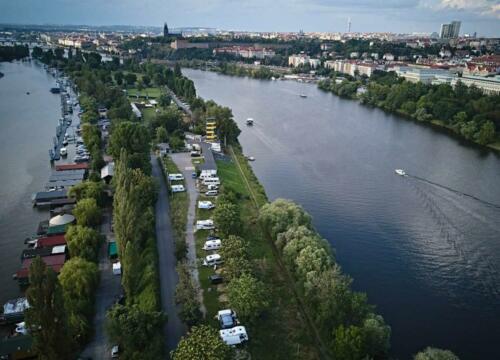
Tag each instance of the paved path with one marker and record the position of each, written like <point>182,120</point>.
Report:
<point>107,292</point>
<point>183,162</point>
<point>174,329</point>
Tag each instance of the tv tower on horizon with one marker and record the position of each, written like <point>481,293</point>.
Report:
<point>349,24</point>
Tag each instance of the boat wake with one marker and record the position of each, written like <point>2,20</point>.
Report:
<point>455,191</point>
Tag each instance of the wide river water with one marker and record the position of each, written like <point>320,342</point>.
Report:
<point>27,126</point>
<point>425,248</point>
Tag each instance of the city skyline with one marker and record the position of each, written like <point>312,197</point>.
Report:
<point>405,16</point>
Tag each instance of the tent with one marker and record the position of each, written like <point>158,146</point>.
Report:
<point>61,220</point>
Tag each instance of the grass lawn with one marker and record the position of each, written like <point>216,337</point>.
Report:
<point>151,92</point>
<point>148,114</point>
<point>280,333</point>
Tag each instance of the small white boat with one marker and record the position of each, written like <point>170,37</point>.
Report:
<point>250,158</point>
<point>63,151</point>
<point>303,95</point>
<point>249,121</point>
<point>400,172</point>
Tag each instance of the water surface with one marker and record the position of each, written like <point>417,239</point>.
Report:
<point>427,254</point>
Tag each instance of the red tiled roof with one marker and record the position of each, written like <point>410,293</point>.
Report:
<point>82,166</point>
<point>49,241</point>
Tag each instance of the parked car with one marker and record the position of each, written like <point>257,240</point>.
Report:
<point>115,352</point>
<point>216,279</point>
<point>227,319</point>
<point>211,193</point>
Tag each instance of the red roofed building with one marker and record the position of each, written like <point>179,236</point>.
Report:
<point>55,262</point>
<point>483,65</point>
<point>50,241</point>
<point>80,166</point>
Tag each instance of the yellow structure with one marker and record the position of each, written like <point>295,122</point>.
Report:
<point>211,129</point>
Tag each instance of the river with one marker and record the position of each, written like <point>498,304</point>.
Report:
<point>425,251</point>
<point>27,126</point>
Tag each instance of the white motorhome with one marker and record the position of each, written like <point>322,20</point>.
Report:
<point>205,205</point>
<point>175,177</point>
<point>212,245</point>
<point>211,181</point>
<point>177,188</point>
<point>211,260</point>
<point>207,175</point>
<point>234,336</point>
<point>211,193</point>
<point>205,225</point>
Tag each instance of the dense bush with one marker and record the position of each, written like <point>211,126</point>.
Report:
<point>344,317</point>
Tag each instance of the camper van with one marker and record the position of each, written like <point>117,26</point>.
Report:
<point>211,193</point>
<point>213,187</point>
<point>211,181</point>
<point>177,188</point>
<point>175,177</point>
<point>205,205</point>
<point>205,225</point>
<point>234,336</point>
<point>212,245</point>
<point>211,260</point>
<point>207,175</point>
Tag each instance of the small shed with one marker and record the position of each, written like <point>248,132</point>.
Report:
<point>107,172</point>
<point>112,250</point>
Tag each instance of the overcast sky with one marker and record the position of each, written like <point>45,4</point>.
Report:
<point>482,16</point>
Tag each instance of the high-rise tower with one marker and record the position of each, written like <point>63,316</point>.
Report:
<point>165,30</point>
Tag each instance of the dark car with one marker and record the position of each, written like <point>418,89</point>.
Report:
<point>211,237</point>
<point>216,279</point>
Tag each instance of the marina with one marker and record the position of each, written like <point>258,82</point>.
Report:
<point>46,238</point>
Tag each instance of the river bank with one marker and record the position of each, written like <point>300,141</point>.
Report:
<point>388,234</point>
<point>26,130</point>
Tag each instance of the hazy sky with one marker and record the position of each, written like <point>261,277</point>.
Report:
<point>482,16</point>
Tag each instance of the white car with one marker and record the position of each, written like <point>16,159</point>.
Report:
<point>212,193</point>
<point>115,352</point>
<point>21,328</point>
<point>205,205</point>
<point>177,188</point>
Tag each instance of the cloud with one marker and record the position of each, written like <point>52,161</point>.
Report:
<point>488,8</point>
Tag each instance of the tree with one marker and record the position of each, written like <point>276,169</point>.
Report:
<point>486,133</point>
<point>161,135</point>
<point>348,343</point>
<point>227,218</point>
<point>235,255</point>
<point>164,100</point>
<point>248,297</point>
<point>87,213</point>
<point>187,296</point>
<point>83,242</point>
<point>376,336</point>
<point>136,330</point>
<point>202,342</point>
<point>277,216</point>
<point>119,77</point>
<point>46,316</point>
<point>79,279</point>
<point>130,78</point>
<point>435,354</point>
<point>88,189</point>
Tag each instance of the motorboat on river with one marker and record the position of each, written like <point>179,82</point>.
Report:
<point>400,172</point>
<point>249,121</point>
